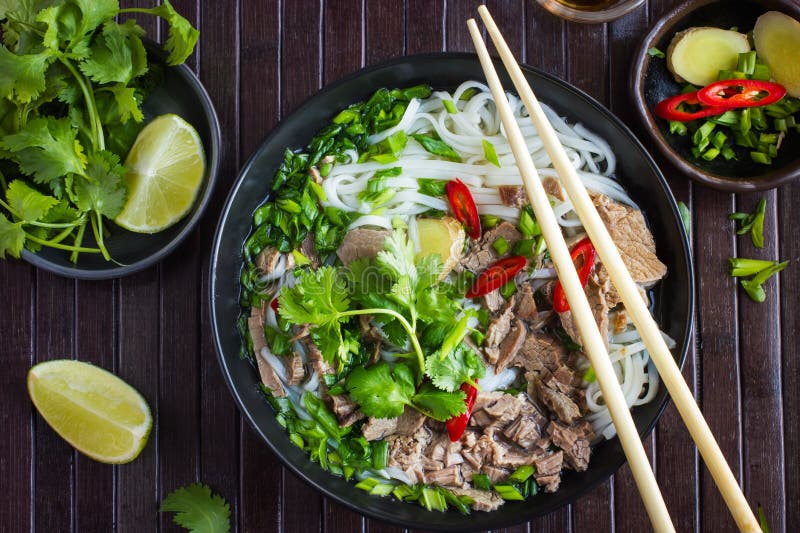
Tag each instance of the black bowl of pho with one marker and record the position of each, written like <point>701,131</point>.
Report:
<point>387,316</point>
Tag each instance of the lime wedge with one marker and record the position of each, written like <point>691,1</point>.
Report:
<point>92,409</point>
<point>165,170</point>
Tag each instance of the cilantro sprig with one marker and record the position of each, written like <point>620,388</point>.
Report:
<point>198,510</point>
<point>72,81</point>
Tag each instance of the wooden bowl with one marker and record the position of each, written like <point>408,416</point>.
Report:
<point>651,82</point>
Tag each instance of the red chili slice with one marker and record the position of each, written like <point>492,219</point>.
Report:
<point>496,275</point>
<point>668,109</point>
<point>464,208</point>
<point>741,93</point>
<point>458,424</point>
<point>274,305</point>
<point>584,248</point>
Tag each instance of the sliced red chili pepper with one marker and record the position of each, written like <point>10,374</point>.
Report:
<point>668,109</point>
<point>274,305</point>
<point>464,208</point>
<point>741,93</point>
<point>458,424</point>
<point>584,249</point>
<point>497,275</point>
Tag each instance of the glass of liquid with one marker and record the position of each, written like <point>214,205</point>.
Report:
<point>590,11</point>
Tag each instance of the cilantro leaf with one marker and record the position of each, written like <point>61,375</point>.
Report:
<point>460,366</point>
<point>127,103</point>
<point>81,28</point>
<point>182,35</point>
<point>318,298</point>
<point>117,55</point>
<point>381,392</point>
<point>12,238</point>
<point>397,257</point>
<point>438,404</point>
<point>22,77</point>
<point>198,510</point>
<point>106,193</point>
<point>28,203</point>
<point>47,149</point>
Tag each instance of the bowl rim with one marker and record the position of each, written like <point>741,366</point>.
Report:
<point>685,343</point>
<point>212,170</point>
<point>639,67</point>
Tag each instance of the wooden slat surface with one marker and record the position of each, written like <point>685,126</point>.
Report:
<point>259,60</point>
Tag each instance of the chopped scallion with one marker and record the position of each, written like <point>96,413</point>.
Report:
<point>527,225</point>
<point>489,153</point>
<point>508,290</point>
<point>481,481</point>
<point>508,492</point>
<point>500,246</point>
<point>742,267</point>
<point>678,128</point>
<point>655,52</point>
<point>711,154</point>
<point>450,106</point>
<point>521,474</point>
<point>489,221</point>
<point>761,158</point>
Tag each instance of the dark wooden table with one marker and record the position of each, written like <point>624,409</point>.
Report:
<point>259,59</point>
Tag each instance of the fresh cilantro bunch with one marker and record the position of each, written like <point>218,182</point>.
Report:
<point>402,293</point>
<point>72,81</point>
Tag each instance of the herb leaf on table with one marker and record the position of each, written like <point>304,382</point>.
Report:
<point>198,510</point>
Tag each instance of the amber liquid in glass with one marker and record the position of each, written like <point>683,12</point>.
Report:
<point>587,5</point>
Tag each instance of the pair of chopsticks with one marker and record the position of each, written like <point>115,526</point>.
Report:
<point>592,341</point>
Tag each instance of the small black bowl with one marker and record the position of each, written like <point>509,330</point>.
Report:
<point>673,296</point>
<point>651,83</point>
<point>181,93</point>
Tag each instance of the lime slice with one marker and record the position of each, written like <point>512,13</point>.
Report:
<point>165,171</point>
<point>92,409</point>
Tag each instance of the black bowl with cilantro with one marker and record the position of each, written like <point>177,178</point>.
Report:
<point>68,117</point>
<point>651,83</point>
<point>637,172</point>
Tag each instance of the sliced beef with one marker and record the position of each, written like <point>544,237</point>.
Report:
<point>619,322</point>
<point>482,500</point>
<point>295,372</point>
<point>596,290</point>
<point>540,351</point>
<point>633,239</point>
<point>345,409</point>
<point>574,441</point>
<point>548,471</point>
<point>511,344</point>
<point>378,428</point>
<point>525,430</point>
<point>493,301</point>
<point>268,375</point>
<point>501,408</point>
<point>308,250</point>
<point>362,243</point>
<point>497,331</point>
<point>556,401</point>
<point>496,475</point>
<point>512,195</point>
<point>267,260</point>
<point>509,456</point>
<point>553,188</point>
<point>405,453</point>
<point>526,304</point>
<point>447,477</point>
<point>406,424</point>
<point>482,254</point>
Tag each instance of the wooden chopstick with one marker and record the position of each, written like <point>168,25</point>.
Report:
<point>623,282</point>
<point>592,341</point>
